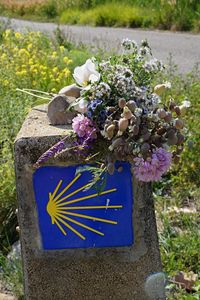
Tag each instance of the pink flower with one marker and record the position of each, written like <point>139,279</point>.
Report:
<point>83,127</point>
<point>153,168</point>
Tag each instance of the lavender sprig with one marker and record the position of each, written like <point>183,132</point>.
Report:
<point>69,149</point>
<point>58,147</point>
<point>89,138</point>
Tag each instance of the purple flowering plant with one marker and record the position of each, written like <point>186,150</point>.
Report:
<point>120,104</point>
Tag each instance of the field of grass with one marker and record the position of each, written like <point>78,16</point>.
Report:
<point>170,15</point>
<point>33,60</point>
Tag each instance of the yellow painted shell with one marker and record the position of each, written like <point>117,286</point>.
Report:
<point>61,213</point>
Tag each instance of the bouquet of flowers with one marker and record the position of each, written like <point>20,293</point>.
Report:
<point>118,106</point>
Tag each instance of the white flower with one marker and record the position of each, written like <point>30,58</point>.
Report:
<point>186,103</point>
<point>81,105</point>
<point>184,106</point>
<point>138,112</point>
<point>128,44</point>
<point>86,73</point>
<point>160,88</point>
<point>153,65</point>
<point>102,90</point>
<point>168,85</point>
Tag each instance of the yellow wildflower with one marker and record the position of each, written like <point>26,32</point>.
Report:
<point>30,61</point>
<point>55,70</point>
<point>5,82</point>
<point>29,47</point>
<point>23,52</point>
<point>18,35</point>
<point>54,54</point>
<point>66,60</point>
<point>39,66</point>
<point>66,71</point>
<point>23,73</point>
<point>7,33</point>
<point>62,48</point>
<point>3,56</point>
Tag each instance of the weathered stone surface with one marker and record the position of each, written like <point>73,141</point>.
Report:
<point>96,273</point>
<point>7,297</point>
<point>57,111</point>
<point>71,91</point>
<point>5,294</point>
<point>155,286</point>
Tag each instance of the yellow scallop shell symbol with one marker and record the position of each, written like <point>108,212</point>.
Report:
<point>62,213</point>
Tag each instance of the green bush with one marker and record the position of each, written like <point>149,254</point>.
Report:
<point>28,60</point>
<point>50,9</point>
<point>12,276</point>
<point>179,248</point>
<point>174,15</point>
<point>178,15</point>
<point>110,15</point>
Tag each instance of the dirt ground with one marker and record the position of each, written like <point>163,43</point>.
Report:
<point>5,295</point>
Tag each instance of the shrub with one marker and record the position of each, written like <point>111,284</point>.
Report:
<point>26,60</point>
<point>173,14</point>
<point>49,9</point>
<point>110,14</point>
<point>178,15</point>
<point>185,178</point>
<point>12,276</point>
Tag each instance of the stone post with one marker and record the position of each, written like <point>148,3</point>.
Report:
<point>117,273</point>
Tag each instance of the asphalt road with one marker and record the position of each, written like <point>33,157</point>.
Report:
<point>184,47</point>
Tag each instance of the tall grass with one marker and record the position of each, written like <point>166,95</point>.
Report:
<point>28,60</point>
<point>110,15</point>
<point>171,15</point>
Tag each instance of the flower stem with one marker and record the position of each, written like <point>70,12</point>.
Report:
<point>29,93</point>
<point>41,92</point>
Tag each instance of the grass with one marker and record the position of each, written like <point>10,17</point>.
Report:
<point>179,241</point>
<point>170,15</point>
<point>49,67</point>
<point>119,15</point>
<point>12,275</point>
<point>33,61</point>
<point>177,197</point>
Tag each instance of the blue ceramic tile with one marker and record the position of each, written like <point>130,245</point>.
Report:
<point>72,217</point>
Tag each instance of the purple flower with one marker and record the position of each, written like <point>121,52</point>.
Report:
<point>84,127</point>
<point>51,152</point>
<point>153,168</point>
<point>82,145</point>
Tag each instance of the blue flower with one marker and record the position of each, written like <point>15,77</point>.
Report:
<point>97,112</point>
<point>94,104</point>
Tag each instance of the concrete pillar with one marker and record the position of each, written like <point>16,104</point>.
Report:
<point>89,273</point>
